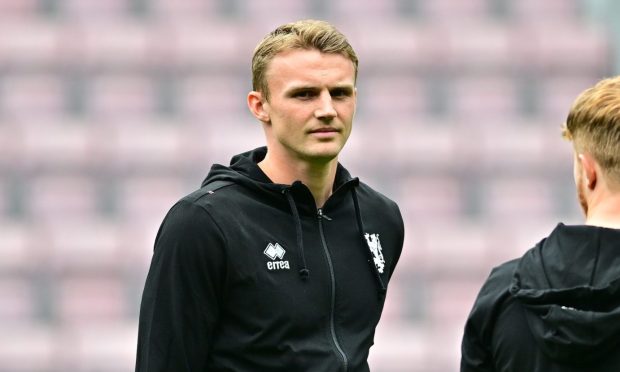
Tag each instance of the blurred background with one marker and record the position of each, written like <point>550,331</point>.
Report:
<point>111,110</point>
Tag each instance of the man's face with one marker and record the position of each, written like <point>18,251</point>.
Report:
<point>311,105</point>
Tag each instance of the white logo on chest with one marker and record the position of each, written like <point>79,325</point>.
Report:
<point>275,251</point>
<point>377,252</point>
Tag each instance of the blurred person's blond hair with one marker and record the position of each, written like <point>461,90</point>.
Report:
<point>305,34</point>
<point>593,125</point>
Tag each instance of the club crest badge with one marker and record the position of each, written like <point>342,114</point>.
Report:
<point>374,244</point>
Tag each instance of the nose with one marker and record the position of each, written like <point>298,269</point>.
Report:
<point>326,109</point>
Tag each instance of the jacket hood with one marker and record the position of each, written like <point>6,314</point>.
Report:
<point>569,285</point>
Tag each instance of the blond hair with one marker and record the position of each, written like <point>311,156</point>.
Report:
<point>593,124</point>
<point>304,34</point>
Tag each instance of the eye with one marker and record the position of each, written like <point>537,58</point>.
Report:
<point>340,93</point>
<point>304,94</point>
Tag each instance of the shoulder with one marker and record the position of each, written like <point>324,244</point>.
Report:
<point>378,204</point>
<point>195,213</point>
<point>495,288</point>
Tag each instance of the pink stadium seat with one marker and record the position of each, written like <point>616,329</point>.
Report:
<point>516,198</point>
<point>26,43</point>
<point>496,148</point>
<point>422,146</point>
<point>93,346</point>
<point>450,12</point>
<point>211,140</point>
<point>207,96</point>
<point>116,44</point>
<point>17,301</point>
<point>466,244</point>
<point>274,12</point>
<point>389,96</point>
<point>559,93</point>
<point>148,199</point>
<point>182,10</point>
<point>369,10</point>
<point>27,347</point>
<point>401,347</point>
<point>549,11</point>
<point>146,145</point>
<point>89,10</point>
<point>4,198</point>
<point>33,96</point>
<point>84,245</point>
<point>204,44</point>
<point>479,48</point>
<point>484,98</point>
<point>62,145</point>
<point>451,298</point>
<point>16,255</point>
<point>55,198</point>
<point>396,44</point>
<point>123,96</point>
<point>572,49</point>
<point>18,10</point>
<point>431,198</point>
<point>90,300</point>
<point>11,142</point>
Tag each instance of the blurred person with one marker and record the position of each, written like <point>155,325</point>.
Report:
<point>280,262</point>
<point>557,308</point>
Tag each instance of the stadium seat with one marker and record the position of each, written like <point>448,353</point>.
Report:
<point>17,255</point>
<point>122,96</point>
<point>89,10</point>
<point>17,301</point>
<point>451,12</point>
<point>27,43</point>
<point>98,346</point>
<point>118,45</point>
<point>33,96</point>
<point>484,98</point>
<point>87,299</point>
<point>85,245</point>
<point>516,197</point>
<point>27,347</point>
<point>60,145</point>
<point>146,145</point>
<point>184,10</point>
<point>56,197</point>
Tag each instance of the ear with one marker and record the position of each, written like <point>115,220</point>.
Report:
<point>588,165</point>
<point>258,106</point>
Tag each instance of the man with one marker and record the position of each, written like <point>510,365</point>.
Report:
<point>558,307</point>
<point>280,262</point>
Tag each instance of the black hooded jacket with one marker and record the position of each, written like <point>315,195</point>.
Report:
<point>248,275</point>
<point>555,309</point>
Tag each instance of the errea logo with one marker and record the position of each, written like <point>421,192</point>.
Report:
<point>275,251</point>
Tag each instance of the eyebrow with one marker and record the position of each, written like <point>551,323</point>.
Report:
<point>301,88</point>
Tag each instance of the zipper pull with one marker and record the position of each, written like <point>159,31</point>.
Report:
<point>321,215</point>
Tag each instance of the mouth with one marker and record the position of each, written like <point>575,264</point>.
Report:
<point>324,130</point>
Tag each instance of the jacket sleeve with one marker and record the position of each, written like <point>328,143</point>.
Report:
<point>477,345</point>
<point>475,355</point>
<point>181,300</point>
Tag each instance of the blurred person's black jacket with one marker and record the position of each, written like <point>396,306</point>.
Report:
<point>555,309</point>
<point>253,277</point>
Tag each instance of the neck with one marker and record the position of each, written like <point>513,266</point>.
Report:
<point>318,177</point>
<point>605,212</point>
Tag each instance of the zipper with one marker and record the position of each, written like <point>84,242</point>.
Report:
<point>332,326</point>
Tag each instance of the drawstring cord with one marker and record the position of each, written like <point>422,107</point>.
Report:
<point>360,226</point>
<point>304,272</point>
